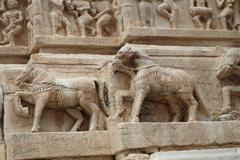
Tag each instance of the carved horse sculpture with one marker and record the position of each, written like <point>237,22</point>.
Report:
<point>228,68</point>
<point>150,80</point>
<point>44,90</point>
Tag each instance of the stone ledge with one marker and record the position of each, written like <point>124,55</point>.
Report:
<point>123,137</point>
<point>14,54</point>
<point>56,44</point>
<point>160,135</point>
<point>70,59</point>
<point>58,145</point>
<point>20,51</point>
<point>138,35</point>
<point>212,154</point>
<point>185,37</point>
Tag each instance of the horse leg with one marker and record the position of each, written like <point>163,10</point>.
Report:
<point>175,111</point>
<point>191,103</point>
<point>18,108</point>
<point>227,91</point>
<point>92,109</point>
<point>41,102</point>
<point>76,115</point>
<point>137,103</point>
<point>119,99</point>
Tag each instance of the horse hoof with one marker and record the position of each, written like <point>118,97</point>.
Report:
<point>136,119</point>
<point>92,129</point>
<point>226,110</point>
<point>34,130</point>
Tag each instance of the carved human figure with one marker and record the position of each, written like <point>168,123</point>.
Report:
<point>12,20</point>
<point>169,10</point>
<point>226,16</point>
<point>85,19</point>
<point>2,5</point>
<point>57,17</point>
<point>229,72</point>
<point>145,13</point>
<point>29,18</point>
<point>43,90</point>
<point>151,81</point>
<point>103,18</point>
<point>118,17</point>
<point>199,9</point>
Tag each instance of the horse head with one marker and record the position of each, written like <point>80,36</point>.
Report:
<point>125,60</point>
<point>26,76</point>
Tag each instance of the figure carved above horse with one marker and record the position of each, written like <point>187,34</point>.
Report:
<point>151,81</point>
<point>44,90</point>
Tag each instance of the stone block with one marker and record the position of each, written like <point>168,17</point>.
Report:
<point>212,154</point>
<point>128,136</point>
<point>58,145</point>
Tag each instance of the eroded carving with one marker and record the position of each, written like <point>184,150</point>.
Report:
<point>57,17</point>
<point>228,72</point>
<point>83,8</point>
<point>174,87</point>
<point>226,16</point>
<point>145,13</point>
<point>201,14</point>
<point>2,5</point>
<point>12,19</point>
<point>44,90</point>
<point>169,9</point>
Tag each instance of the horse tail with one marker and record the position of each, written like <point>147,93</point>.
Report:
<point>101,91</point>
<point>202,109</point>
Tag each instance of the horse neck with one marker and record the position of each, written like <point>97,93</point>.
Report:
<point>42,76</point>
<point>143,62</point>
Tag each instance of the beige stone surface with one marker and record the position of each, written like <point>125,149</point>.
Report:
<point>137,157</point>
<point>148,135</point>
<point>2,152</point>
<point>76,38</point>
<point>58,145</point>
<point>182,37</point>
<point>218,154</point>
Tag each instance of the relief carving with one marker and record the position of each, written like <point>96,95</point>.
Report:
<point>57,17</point>
<point>2,5</point>
<point>146,13</point>
<point>43,90</point>
<point>199,9</point>
<point>151,81</point>
<point>84,9</point>
<point>228,73</point>
<point>169,10</point>
<point>29,18</point>
<point>226,16</point>
<point>12,19</point>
